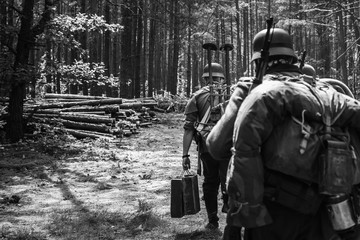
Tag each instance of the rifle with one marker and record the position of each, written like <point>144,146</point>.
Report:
<point>302,60</point>
<point>264,55</point>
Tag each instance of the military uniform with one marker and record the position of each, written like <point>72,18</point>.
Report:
<point>266,158</point>
<point>273,178</point>
<point>214,172</point>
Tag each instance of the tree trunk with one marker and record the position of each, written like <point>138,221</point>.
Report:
<point>245,41</point>
<point>152,35</point>
<point>188,67</point>
<point>239,69</point>
<point>84,45</point>
<point>139,32</point>
<point>15,124</point>
<point>343,53</point>
<point>174,80</point>
<point>107,41</point>
<point>170,74</point>
<point>126,49</point>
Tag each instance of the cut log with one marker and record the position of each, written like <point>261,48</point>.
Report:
<point>87,118</point>
<point>98,113</point>
<point>42,111</point>
<point>85,134</point>
<point>136,105</point>
<point>86,126</point>
<point>82,103</point>
<point>46,115</point>
<point>57,100</point>
<point>106,109</point>
<point>72,96</point>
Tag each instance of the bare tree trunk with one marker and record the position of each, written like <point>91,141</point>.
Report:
<point>126,49</point>
<point>137,85</point>
<point>170,74</point>
<point>26,41</point>
<point>343,53</point>
<point>188,70</point>
<point>152,37</point>
<point>245,40</point>
<point>325,50</point>
<point>174,82</point>
<point>107,40</point>
<point>239,69</point>
<point>145,39</point>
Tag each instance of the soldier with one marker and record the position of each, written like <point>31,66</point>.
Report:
<point>285,173</point>
<point>200,117</point>
<point>309,70</point>
<point>310,74</point>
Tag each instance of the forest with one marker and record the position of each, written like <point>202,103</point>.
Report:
<point>144,48</point>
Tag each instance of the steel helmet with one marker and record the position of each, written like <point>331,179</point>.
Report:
<point>216,70</point>
<point>280,44</point>
<point>309,70</point>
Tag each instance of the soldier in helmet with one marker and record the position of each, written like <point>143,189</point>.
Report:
<point>201,114</point>
<point>309,73</point>
<point>278,136</point>
<point>309,70</point>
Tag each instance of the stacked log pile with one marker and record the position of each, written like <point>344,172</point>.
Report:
<point>93,116</point>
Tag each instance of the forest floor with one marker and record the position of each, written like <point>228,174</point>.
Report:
<point>59,187</point>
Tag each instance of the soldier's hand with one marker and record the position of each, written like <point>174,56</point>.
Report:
<point>186,163</point>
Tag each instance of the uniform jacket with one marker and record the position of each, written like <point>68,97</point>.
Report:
<point>196,107</point>
<point>219,140</point>
<point>195,110</point>
<point>261,138</point>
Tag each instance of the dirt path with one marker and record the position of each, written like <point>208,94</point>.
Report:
<point>123,187</point>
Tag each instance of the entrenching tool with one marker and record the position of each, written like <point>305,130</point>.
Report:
<point>210,47</point>
<point>227,47</point>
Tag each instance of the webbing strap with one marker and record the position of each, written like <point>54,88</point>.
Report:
<point>203,123</point>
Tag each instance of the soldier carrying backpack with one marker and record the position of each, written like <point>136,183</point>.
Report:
<point>202,111</point>
<point>294,171</point>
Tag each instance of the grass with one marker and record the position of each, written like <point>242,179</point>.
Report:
<point>86,225</point>
<point>20,234</point>
<point>102,224</point>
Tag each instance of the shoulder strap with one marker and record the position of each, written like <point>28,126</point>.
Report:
<point>205,119</point>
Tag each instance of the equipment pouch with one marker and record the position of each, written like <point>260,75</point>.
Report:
<point>336,168</point>
<point>293,193</point>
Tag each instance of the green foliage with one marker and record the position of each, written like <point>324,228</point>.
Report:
<point>63,27</point>
<point>62,31</point>
<point>85,71</point>
<point>83,22</point>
